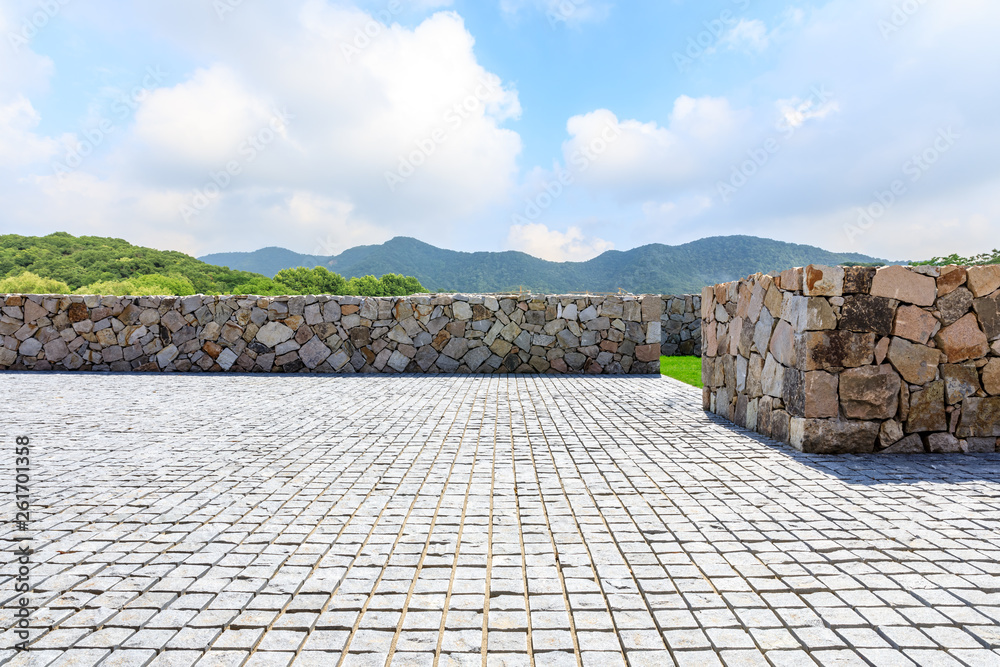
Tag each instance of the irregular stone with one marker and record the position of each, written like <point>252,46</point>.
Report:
<point>858,279</point>
<point>897,282</point>
<point>960,382</point>
<point>991,376</point>
<point>983,280</point>
<point>927,411</point>
<point>166,355</point>
<point>652,309</point>
<point>819,315</point>
<point>646,352</point>
<point>226,359</point>
<point>963,340</point>
<point>32,311</point>
<point>172,320</point>
<point>30,347</point>
<point>462,310</point>
<point>772,377</point>
<point>77,312</point>
<point>780,425</point>
<point>820,395</point>
<point>882,350</point>
<point>915,324</point>
<point>399,361</point>
<point>981,445</point>
<point>890,433</point>
<point>790,280</point>
<point>951,278</point>
<point>762,331</point>
<point>819,350</point>
<point>828,436</point>
<point>274,333</point>
<point>911,444</point>
<point>980,418</point>
<point>954,305</point>
<point>870,392</point>
<point>867,314</point>
<point>822,280</point>
<point>943,443</point>
<point>918,364</point>
<point>782,344</point>
<point>56,350</point>
<point>314,352</point>
<point>988,310</point>
<point>456,348</point>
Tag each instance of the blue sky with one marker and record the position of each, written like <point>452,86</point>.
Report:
<point>562,128</point>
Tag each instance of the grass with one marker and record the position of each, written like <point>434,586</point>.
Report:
<point>685,369</point>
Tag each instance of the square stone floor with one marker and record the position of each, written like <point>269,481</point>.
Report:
<point>443,520</point>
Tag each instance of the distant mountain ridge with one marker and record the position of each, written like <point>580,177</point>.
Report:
<point>649,269</point>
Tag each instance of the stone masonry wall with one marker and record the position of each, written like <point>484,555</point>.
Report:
<point>858,360</point>
<point>343,334</point>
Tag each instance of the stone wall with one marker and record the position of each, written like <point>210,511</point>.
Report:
<point>858,360</point>
<point>343,334</point>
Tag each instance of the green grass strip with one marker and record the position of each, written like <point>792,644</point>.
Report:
<point>685,369</point>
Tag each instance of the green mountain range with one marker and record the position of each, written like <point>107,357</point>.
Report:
<point>649,269</point>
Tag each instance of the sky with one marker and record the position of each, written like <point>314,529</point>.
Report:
<point>561,128</point>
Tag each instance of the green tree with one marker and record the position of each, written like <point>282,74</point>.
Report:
<point>29,283</point>
<point>318,280</point>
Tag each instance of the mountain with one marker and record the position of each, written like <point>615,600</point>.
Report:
<point>649,269</point>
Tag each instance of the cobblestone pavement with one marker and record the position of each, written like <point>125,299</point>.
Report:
<point>373,520</point>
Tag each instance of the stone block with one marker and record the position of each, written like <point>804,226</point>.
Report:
<point>782,344</point>
<point>960,382</point>
<point>980,418</point>
<point>772,378</point>
<point>858,279</point>
<point>981,445</point>
<point>820,350</point>
<point>790,280</point>
<point>897,282</point>
<point>762,331</point>
<point>927,411</point>
<point>867,314</point>
<point>914,324</point>
<point>890,433</point>
<point>274,333</point>
<point>870,392</point>
<point>963,340</point>
<point>943,443</point>
<point>918,364</point>
<point>983,280</point>
<point>780,425</point>
<point>819,280</point>
<point>821,395</point>
<point>911,444</point>
<point>647,352</point>
<point>793,392</point>
<point>988,311</point>
<point>882,350</point>
<point>991,377</point>
<point>955,305</point>
<point>652,309</point>
<point>773,300</point>
<point>951,278</point>
<point>829,436</point>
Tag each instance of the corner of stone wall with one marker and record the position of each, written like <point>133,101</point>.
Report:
<point>858,360</point>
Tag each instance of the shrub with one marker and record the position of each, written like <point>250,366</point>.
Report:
<point>148,285</point>
<point>29,283</point>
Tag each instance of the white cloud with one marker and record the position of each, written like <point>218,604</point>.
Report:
<point>357,109</point>
<point>748,35</point>
<point>570,246</point>
<point>19,145</point>
<point>634,159</point>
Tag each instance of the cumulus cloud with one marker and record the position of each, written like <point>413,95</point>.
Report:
<point>570,246</point>
<point>383,130</point>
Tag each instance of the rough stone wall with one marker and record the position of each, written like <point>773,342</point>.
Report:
<point>342,334</point>
<point>858,360</point>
